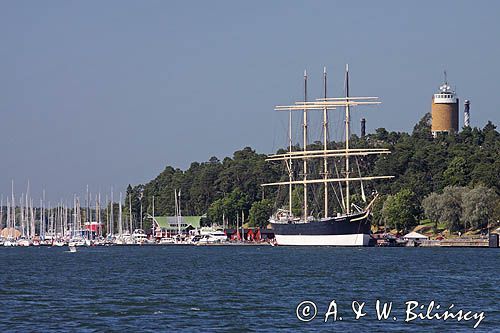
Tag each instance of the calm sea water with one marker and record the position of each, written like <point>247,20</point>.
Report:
<point>247,288</point>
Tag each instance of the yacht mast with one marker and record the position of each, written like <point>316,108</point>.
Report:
<point>176,211</point>
<point>73,224</point>
<point>7,219</point>
<point>130,211</point>
<point>325,147</point>
<point>179,216</point>
<point>1,212</point>
<point>21,211</point>
<point>41,220</point>
<point>42,216</point>
<point>305,147</point>
<point>100,216</point>
<point>347,133</point>
<point>27,211</point>
<point>87,202</point>
<point>107,216</point>
<point>120,226</point>
<point>13,211</point>
<point>112,218</point>
<point>289,164</point>
<point>153,212</point>
<point>32,210</point>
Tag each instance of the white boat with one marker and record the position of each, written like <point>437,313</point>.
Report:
<point>216,232</point>
<point>129,240</point>
<point>72,248</point>
<point>125,239</point>
<point>167,240</point>
<point>59,243</point>
<point>195,239</point>
<point>77,242</point>
<point>215,237</point>
<point>9,242</point>
<point>23,242</point>
<point>139,236</point>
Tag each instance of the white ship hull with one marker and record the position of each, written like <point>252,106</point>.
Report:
<point>324,240</point>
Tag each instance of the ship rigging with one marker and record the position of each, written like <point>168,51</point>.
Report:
<point>346,228</point>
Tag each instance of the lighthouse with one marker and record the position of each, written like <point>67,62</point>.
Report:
<point>444,110</point>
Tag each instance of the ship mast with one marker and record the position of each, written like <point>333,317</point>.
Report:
<point>347,133</point>
<point>305,146</point>
<point>325,104</point>
<point>289,164</point>
<point>325,147</point>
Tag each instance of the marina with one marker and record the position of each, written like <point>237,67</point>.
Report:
<point>26,226</point>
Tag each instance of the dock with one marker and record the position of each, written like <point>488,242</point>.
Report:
<point>456,242</point>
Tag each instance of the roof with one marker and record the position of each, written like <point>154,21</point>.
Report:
<point>415,235</point>
<point>170,222</point>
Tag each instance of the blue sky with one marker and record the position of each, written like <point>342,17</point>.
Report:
<point>108,93</point>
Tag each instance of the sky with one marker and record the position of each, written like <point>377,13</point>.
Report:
<point>108,93</point>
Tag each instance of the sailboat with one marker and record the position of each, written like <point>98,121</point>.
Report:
<point>11,221</point>
<point>351,226</point>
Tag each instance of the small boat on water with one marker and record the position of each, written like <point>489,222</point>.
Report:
<point>72,248</point>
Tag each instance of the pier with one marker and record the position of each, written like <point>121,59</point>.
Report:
<point>456,242</point>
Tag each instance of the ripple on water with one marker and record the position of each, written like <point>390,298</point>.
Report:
<point>235,289</point>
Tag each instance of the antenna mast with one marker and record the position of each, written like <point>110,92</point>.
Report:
<point>347,132</point>
<point>305,147</point>
<point>325,146</point>
<point>289,164</point>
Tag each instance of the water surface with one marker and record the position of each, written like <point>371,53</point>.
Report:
<point>240,288</point>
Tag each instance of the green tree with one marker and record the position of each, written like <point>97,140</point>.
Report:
<point>422,129</point>
<point>260,213</point>
<point>433,206</point>
<point>215,212</point>
<point>401,210</point>
<point>457,172</point>
<point>230,207</point>
<point>478,207</point>
<point>451,207</point>
<point>378,205</point>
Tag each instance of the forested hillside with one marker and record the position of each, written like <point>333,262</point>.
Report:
<point>422,166</point>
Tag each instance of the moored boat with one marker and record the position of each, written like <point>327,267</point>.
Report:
<point>351,225</point>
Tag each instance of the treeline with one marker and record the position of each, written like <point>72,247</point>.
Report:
<point>427,167</point>
<point>214,188</point>
<point>230,189</point>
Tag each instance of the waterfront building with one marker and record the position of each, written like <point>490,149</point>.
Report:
<point>173,225</point>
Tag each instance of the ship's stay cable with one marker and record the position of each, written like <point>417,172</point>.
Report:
<point>361,182</point>
<point>342,203</point>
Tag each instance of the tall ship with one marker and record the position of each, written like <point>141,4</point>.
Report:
<point>339,173</point>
